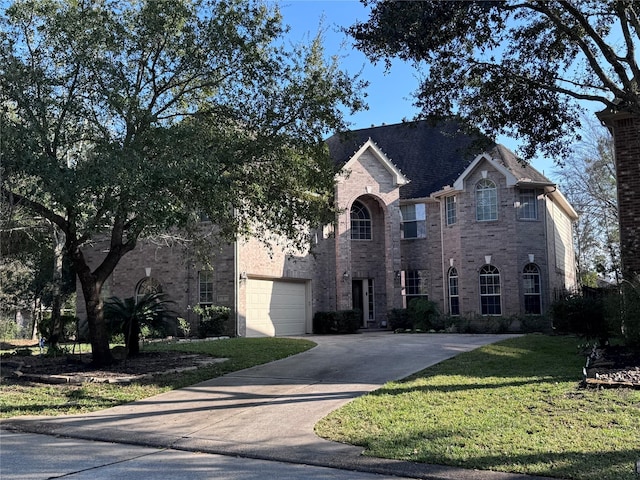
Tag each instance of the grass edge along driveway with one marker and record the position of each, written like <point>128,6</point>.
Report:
<point>514,406</point>
<point>18,398</point>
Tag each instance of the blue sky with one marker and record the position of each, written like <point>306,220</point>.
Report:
<point>389,94</point>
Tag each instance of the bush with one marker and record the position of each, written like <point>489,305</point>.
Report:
<point>628,317</point>
<point>214,320</point>
<point>422,314</point>
<point>398,319</point>
<point>534,323</point>
<point>581,315</point>
<point>343,321</point>
<point>8,328</point>
<point>69,326</point>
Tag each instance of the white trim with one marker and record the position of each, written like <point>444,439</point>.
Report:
<point>398,178</point>
<point>511,178</point>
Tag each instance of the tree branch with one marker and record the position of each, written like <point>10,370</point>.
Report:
<point>15,198</point>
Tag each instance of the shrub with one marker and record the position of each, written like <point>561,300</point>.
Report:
<point>398,318</point>
<point>629,313</point>
<point>581,315</point>
<point>534,323</point>
<point>422,313</point>
<point>69,326</point>
<point>343,321</point>
<point>214,320</point>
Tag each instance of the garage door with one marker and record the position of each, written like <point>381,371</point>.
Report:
<point>275,308</point>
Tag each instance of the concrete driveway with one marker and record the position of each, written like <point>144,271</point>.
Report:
<point>269,411</point>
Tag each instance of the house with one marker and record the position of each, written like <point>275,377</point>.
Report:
<point>425,211</point>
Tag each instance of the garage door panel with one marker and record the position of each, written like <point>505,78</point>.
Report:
<point>275,308</point>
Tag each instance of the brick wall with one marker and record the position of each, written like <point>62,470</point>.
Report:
<point>626,135</point>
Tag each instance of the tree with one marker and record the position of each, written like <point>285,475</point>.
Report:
<point>514,67</point>
<point>588,179</point>
<point>131,118</point>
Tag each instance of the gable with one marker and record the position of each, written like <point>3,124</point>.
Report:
<point>428,155</point>
<point>370,147</point>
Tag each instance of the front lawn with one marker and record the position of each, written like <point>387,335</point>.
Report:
<point>515,406</point>
<point>19,397</point>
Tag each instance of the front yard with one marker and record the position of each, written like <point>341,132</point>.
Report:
<point>515,406</point>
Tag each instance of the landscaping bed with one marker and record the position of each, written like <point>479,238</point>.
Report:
<point>612,366</point>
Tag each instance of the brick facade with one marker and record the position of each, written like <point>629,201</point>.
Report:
<point>340,273</point>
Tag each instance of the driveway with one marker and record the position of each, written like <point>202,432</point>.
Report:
<point>269,411</point>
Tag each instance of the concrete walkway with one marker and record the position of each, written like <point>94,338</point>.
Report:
<point>268,412</point>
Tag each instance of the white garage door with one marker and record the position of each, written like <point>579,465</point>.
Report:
<point>275,308</point>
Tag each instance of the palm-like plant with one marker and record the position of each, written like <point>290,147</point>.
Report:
<point>128,315</point>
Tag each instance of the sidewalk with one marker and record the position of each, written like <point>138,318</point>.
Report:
<point>268,412</point>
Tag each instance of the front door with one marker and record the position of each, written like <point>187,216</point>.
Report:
<point>362,292</point>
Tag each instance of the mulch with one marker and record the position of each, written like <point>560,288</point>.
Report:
<point>612,366</point>
<point>77,368</point>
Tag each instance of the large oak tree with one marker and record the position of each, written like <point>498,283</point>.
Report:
<point>132,118</point>
<point>516,67</point>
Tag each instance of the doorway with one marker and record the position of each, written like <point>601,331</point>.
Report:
<point>363,299</point>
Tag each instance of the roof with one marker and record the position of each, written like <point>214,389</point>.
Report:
<point>524,173</point>
<point>430,156</point>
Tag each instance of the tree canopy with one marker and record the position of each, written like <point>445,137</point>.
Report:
<point>513,67</point>
<point>130,118</point>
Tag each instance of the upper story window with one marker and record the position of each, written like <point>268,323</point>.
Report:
<point>205,287</point>
<point>486,201</point>
<point>414,221</point>
<point>450,210</point>
<point>528,205</point>
<point>490,301</point>
<point>360,222</point>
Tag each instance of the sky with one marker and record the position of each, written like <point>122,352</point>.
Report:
<point>389,94</point>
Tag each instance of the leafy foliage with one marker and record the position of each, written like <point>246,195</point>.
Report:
<point>513,67</point>
<point>126,316</point>
<point>129,119</point>
<point>214,320</point>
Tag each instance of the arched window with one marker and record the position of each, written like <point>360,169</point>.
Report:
<point>486,201</point>
<point>147,286</point>
<point>532,293</point>
<point>490,290</point>
<point>360,222</point>
<point>454,296</point>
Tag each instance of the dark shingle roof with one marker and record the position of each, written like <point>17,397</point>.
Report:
<point>520,170</point>
<point>430,156</point>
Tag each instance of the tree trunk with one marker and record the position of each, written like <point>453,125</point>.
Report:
<point>132,338</point>
<point>56,304</point>
<point>98,331</point>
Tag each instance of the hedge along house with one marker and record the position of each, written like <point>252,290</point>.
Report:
<point>424,211</point>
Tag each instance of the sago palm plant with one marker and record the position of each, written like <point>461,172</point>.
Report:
<point>154,310</point>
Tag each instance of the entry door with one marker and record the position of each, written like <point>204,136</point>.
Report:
<point>362,291</point>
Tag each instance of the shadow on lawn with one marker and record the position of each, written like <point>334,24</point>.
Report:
<point>603,465</point>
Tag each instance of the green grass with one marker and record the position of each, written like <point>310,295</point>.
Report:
<point>24,398</point>
<point>515,406</point>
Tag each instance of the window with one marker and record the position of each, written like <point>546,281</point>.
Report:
<point>205,281</point>
<point>454,296</point>
<point>532,296</point>
<point>450,210</point>
<point>414,221</point>
<point>490,290</point>
<point>486,201</point>
<point>528,204</point>
<point>415,285</point>
<point>147,286</point>
<point>360,222</point>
